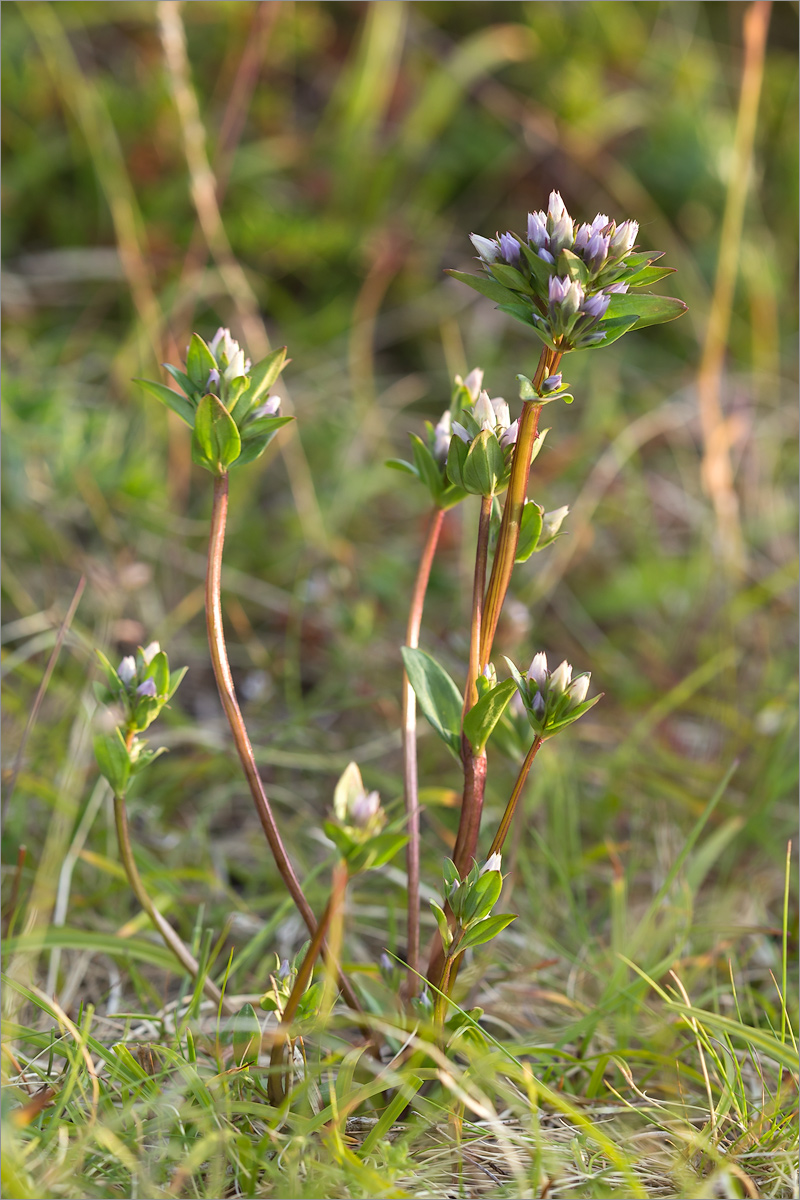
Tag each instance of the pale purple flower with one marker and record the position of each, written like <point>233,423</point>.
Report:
<point>556,207</point>
<point>510,248</point>
<point>148,688</point>
<point>551,383</point>
<point>213,379</point>
<point>127,669</point>
<point>566,294</point>
<point>510,435</point>
<point>596,305</point>
<point>483,412</point>
<point>596,251</point>
<point>538,704</point>
<point>502,414</point>
<point>487,248</point>
<point>363,808</point>
<point>537,671</point>
<point>461,432</point>
<point>547,256</point>
<point>270,408</point>
<point>617,289</point>
<point>537,230</point>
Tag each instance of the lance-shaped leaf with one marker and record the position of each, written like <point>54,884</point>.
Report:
<point>437,695</point>
<point>647,308</point>
<point>613,328</point>
<point>246,1036</point>
<point>257,436</point>
<point>482,897</point>
<point>510,277</point>
<point>481,719</point>
<point>485,930</point>
<point>486,287</point>
<point>484,465</point>
<point>113,760</point>
<point>216,442</point>
<point>179,404</point>
<point>530,528</point>
<point>199,362</point>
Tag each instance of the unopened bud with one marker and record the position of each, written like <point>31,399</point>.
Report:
<point>537,671</point>
<point>561,678</point>
<point>493,863</point>
<point>363,808</point>
<point>487,248</point>
<point>552,522</point>
<point>148,688</point>
<point>578,688</point>
<point>127,669</point>
<point>149,652</point>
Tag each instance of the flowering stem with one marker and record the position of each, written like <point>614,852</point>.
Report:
<point>163,926</point>
<point>478,589</point>
<point>276,1087</point>
<point>227,694</point>
<point>508,537</point>
<point>442,998</point>
<point>410,778</point>
<point>505,824</point>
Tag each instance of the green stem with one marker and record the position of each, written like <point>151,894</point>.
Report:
<point>276,1086</point>
<point>508,537</point>
<point>169,935</point>
<point>410,776</point>
<point>442,998</point>
<point>227,694</point>
<point>508,815</point>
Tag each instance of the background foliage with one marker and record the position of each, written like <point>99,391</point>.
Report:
<point>354,147</point>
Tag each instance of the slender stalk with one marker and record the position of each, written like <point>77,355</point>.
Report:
<point>508,815</point>
<point>442,998</point>
<point>169,935</point>
<point>410,778</point>
<point>276,1088</point>
<point>508,538</point>
<point>478,589</point>
<point>227,694</point>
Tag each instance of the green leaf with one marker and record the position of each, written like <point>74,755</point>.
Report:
<point>648,309</point>
<point>530,528</point>
<point>485,930</point>
<point>486,287</point>
<point>510,277</point>
<point>246,1036</point>
<point>485,464</point>
<point>262,376</point>
<point>482,897</point>
<point>481,719</point>
<point>179,404</point>
<point>438,697</point>
<point>541,270</point>
<point>216,442</point>
<point>441,920</point>
<point>183,381</point>
<point>429,470</point>
<point>456,459</point>
<point>400,464</point>
<point>114,682</point>
<point>642,257</point>
<point>613,328</point>
<point>113,760</point>
<point>175,679</point>
<point>158,671</point>
<point>648,275</point>
<point>199,361</point>
<point>376,852</point>
<point>341,839</point>
<point>570,264</point>
<point>253,446</point>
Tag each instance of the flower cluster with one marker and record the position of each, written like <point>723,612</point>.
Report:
<point>226,400</point>
<point>136,692</point>
<point>471,901</point>
<point>552,699</point>
<point>357,830</point>
<point>570,281</point>
<point>481,444</point>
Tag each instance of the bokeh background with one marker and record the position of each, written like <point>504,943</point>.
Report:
<point>303,173</point>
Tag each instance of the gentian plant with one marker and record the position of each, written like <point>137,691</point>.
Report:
<point>576,287</point>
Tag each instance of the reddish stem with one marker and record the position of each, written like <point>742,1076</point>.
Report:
<point>410,777</point>
<point>227,694</point>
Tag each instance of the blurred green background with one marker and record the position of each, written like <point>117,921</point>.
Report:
<point>352,148</point>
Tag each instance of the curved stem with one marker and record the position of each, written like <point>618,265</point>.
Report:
<point>410,778</point>
<point>227,694</point>
<point>169,935</point>
<point>508,538</point>
<point>505,824</point>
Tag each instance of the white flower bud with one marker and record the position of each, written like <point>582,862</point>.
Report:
<point>363,808</point>
<point>578,688</point>
<point>483,412</point>
<point>537,671</point>
<point>149,652</point>
<point>473,383</point>
<point>493,863</point>
<point>561,678</point>
<point>502,412</point>
<point>127,669</point>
